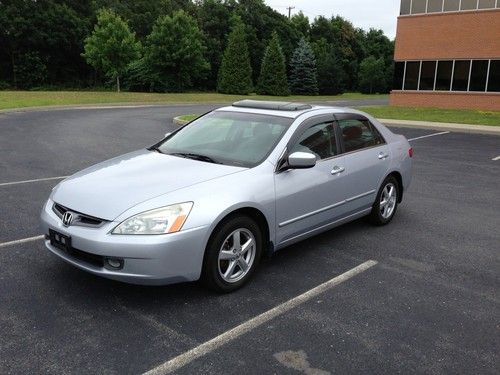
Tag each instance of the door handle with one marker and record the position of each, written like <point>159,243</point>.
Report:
<point>337,170</point>
<point>383,156</point>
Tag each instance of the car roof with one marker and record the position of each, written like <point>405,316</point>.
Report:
<point>276,108</point>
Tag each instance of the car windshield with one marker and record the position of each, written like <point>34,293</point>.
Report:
<point>232,138</point>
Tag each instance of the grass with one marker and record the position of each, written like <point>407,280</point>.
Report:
<point>457,116</point>
<point>23,99</point>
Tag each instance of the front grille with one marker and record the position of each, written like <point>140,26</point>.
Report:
<point>79,218</point>
<point>92,259</point>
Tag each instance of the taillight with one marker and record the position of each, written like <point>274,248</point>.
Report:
<point>410,152</point>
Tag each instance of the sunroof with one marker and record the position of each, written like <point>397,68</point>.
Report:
<point>274,106</point>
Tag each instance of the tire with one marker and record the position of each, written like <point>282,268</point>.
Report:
<point>381,213</point>
<point>223,253</point>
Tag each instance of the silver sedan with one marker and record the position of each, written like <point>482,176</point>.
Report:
<point>209,200</point>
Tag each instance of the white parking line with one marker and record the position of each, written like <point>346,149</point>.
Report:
<point>36,180</point>
<point>213,344</point>
<point>24,240</point>
<point>427,136</point>
<point>497,158</point>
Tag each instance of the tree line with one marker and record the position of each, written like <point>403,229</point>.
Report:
<point>232,46</point>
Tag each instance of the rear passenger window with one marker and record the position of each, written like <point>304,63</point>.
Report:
<point>359,134</point>
<point>318,140</point>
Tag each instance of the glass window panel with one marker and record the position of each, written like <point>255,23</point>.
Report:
<point>318,140</point>
<point>435,6</point>
<point>418,6</point>
<point>478,75</point>
<point>468,4</point>
<point>443,78</point>
<point>358,135</point>
<point>451,5</point>
<point>427,75</point>
<point>494,80</point>
<point>461,75</point>
<point>411,78</point>
<point>399,69</point>
<point>405,7</point>
<point>486,4</point>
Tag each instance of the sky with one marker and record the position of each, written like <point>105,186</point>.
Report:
<point>379,14</point>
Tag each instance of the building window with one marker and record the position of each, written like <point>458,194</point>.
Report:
<point>468,4</point>
<point>405,7</point>
<point>451,5</point>
<point>427,74</point>
<point>443,78</point>
<point>478,75</point>
<point>494,77</point>
<point>487,4</point>
<point>434,6</point>
<point>399,71</point>
<point>461,75</point>
<point>411,76</point>
<point>418,6</point>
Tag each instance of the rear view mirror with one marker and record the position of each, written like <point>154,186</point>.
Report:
<point>301,160</point>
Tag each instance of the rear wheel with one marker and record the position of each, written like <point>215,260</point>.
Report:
<point>232,254</point>
<point>386,204</point>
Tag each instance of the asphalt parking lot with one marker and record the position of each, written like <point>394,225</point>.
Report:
<point>430,304</point>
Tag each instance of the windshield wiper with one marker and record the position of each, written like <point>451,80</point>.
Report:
<point>193,156</point>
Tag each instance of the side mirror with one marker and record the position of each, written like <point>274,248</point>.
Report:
<point>167,134</point>
<point>301,160</point>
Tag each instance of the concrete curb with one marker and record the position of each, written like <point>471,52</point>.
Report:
<point>442,126</point>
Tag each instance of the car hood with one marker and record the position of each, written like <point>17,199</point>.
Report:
<point>108,189</point>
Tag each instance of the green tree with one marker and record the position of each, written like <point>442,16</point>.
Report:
<point>301,23</point>
<point>112,46</point>
<point>235,74</point>
<point>331,75</point>
<point>273,80</point>
<point>372,77</point>
<point>303,74</point>
<point>174,51</point>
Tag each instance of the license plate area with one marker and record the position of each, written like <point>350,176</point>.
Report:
<point>59,240</point>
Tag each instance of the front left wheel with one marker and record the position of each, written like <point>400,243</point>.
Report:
<point>232,254</point>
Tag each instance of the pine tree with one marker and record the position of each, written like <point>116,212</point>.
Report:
<point>235,73</point>
<point>304,75</point>
<point>273,80</point>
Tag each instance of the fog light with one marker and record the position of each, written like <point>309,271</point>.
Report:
<point>114,263</point>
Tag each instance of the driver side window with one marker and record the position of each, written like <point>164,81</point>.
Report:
<point>318,140</point>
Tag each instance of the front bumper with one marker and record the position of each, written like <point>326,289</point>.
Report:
<point>147,259</point>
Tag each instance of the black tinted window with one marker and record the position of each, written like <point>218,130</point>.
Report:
<point>427,75</point>
<point>358,134</point>
<point>443,79</point>
<point>478,75</point>
<point>318,140</point>
<point>399,70</point>
<point>494,80</point>
<point>411,78</point>
<point>461,75</point>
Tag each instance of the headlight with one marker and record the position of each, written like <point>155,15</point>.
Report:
<point>163,220</point>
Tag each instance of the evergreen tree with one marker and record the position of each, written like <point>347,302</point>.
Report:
<point>331,75</point>
<point>273,80</point>
<point>112,46</point>
<point>235,74</point>
<point>372,76</point>
<point>174,51</point>
<point>303,76</point>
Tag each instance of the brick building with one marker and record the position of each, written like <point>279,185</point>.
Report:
<point>448,54</point>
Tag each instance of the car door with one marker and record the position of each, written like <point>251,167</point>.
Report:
<point>366,160</point>
<point>309,198</point>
